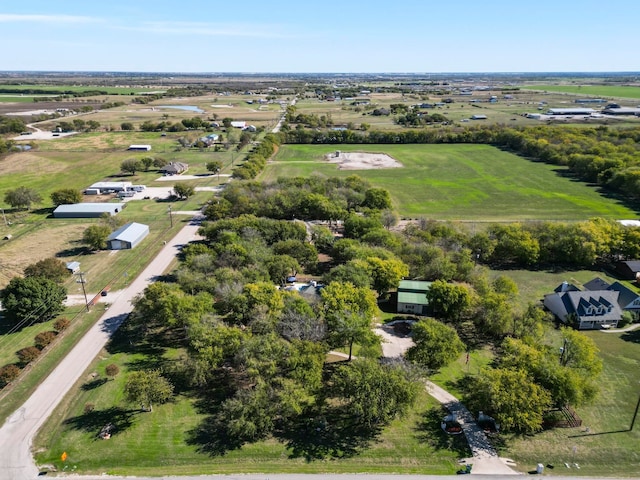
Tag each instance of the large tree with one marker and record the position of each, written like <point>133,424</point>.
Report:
<point>66,196</point>
<point>511,397</point>
<point>375,393</point>
<point>183,190</point>
<point>448,300</point>
<point>147,387</point>
<point>131,165</point>
<point>22,197</point>
<point>95,236</point>
<point>51,268</point>
<point>436,344</point>
<point>32,299</point>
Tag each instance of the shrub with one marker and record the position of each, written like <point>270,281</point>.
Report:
<point>89,407</point>
<point>8,373</point>
<point>27,354</point>
<point>43,339</point>
<point>112,370</point>
<point>61,324</point>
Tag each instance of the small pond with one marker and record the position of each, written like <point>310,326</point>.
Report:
<point>190,108</point>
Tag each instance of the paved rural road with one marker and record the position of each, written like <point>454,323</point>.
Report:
<point>16,435</point>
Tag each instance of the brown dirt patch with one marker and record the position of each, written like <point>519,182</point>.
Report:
<point>362,160</point>
<point>22,251</point>
<point>29,162</point>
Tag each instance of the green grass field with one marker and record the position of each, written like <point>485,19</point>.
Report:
<point>147,442</point>
<point>461,182</point>
<point>78,88</point>
<point>608,448</point>
<point>590,90</point>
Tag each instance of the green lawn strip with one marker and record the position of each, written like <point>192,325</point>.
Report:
<point>12,397</point>
<point>449,376</point>
<point>608,448</point>
<point>590,90</point>
<point>460,182</point>
<point>148,442</point>
<point>76,88</point>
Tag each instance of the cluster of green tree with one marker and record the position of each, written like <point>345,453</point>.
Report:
<point>132,165</point>
<point>6,145</point>
<point>531,377</point>
<point>78,125</point>
<point>95,236</point>
<point>264,348</point>
<point>62,91</point>
<point>145,99</point>
<point>11,125</point>
<point>413,118</point>
<point>256,160</point>
<point>22,197</point>
<point>195,123</point>
<point>312,198</point>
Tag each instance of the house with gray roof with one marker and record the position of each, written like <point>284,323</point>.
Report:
<point>585,310</point>
<point>127,236</point>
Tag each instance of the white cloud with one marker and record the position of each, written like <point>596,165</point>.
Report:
<point>211,29</point>
<point>54,19</point>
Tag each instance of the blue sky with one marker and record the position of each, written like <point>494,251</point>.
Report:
<point>325,36</point>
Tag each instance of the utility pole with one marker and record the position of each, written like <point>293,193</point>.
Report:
<point>84,290</point>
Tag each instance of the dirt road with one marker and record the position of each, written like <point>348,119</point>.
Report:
<point>16,435</point>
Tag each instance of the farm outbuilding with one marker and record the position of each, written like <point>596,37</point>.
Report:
<point>73,267</point>
<point>127,236</point>
<point>87,210</point>
<point>107,187</point>
<point>570,111</point>
<point>140,148</point>
<point>412,297</point>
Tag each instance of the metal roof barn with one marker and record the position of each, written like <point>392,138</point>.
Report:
<point>110,186</point>
<point>87,210</point>
<point>127,236</point>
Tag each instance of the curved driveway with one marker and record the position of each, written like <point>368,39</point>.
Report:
<point>16,435</point>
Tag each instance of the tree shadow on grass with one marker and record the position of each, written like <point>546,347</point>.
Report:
<point>430,432</point>
<point>331,435</point>
<point>98,382</point>
<point>632,336</point>
<point>213,439</point>
<point>94,421</point>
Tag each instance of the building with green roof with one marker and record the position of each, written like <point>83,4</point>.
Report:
<point>412,297</point>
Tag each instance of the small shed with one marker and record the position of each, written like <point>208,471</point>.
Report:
<point>127,236</point>
<point>140,148</point>
<point>87,210</point>
<point>73,267</point>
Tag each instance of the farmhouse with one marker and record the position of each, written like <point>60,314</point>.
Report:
<point>412,297</point>
<point>127,236</point>
<point>589,309</point>
<point>175,168</point>
<point>140,148</point>
<point>107,187</point>
<point>87,210</point>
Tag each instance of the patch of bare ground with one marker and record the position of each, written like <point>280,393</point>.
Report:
<point>22,251</point>
<point>29,162</point>
<point>362,160</point>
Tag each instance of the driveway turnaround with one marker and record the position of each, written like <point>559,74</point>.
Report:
<point>16,435</point>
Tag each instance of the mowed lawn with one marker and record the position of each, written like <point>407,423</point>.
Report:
<point>158,442</point>
<point>608,448</point>
<point>461,182</point>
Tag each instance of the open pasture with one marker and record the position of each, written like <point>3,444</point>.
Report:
<point>79,89</point>
<point>461,182</point>
<point>607,91</point>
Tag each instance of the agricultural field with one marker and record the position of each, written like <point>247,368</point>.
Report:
<point>476,183</point>
<point>606,91</point>
<point>81,88</point>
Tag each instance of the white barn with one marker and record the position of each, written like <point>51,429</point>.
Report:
<point>127,236</point>
<point>87,210</point>
<point>140,148</point>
